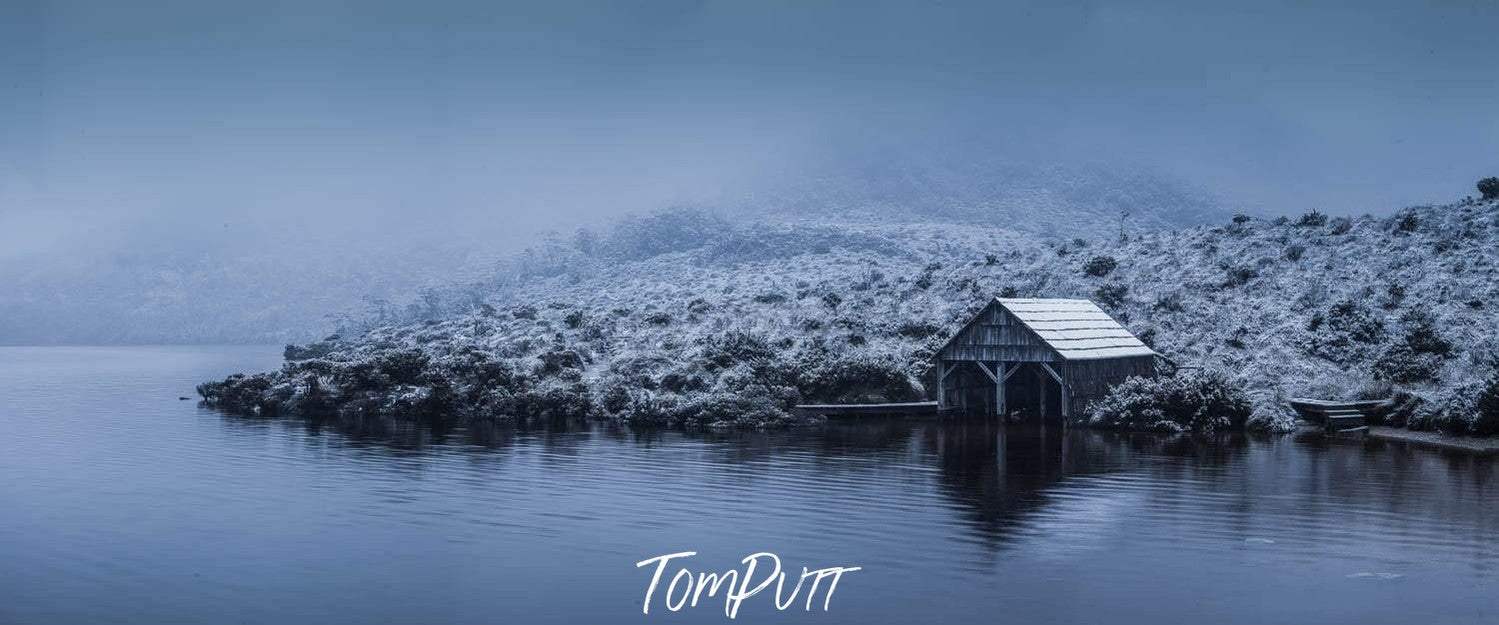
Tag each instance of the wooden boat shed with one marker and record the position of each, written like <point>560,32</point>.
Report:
<point>1038,357</point>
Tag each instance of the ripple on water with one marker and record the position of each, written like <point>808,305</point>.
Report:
<point>114,490</point>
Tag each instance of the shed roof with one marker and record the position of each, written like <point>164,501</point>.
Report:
<point>1077,328</point>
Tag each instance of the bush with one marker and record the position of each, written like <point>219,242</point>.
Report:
<point>1241,218</point>
<point>846,379</point>
<point>312,350</point>
<point>1341,225</point>
<point>402,366</point>
<point>553,362</point>
<point>1452,413</point>
<point>1170,302</point>
<point>1111,295</point>
<point>1240,275</point>
<point>1344,332</point>
<point>1199,401</point>
<point>1314,218</point>
<point>917,329</point>
<point>1100,266</point>
<point>1489,188</point>
<point>1402,365</point>
<point>1295,251</point>
<point>1486,422</point>
<point>1394,295</point>
<point>1422,336</point>
<point>725,350</point>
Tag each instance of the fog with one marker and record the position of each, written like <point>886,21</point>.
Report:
<point>438,135</point>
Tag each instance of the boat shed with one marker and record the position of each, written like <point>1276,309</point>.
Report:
<point>1037,357</point>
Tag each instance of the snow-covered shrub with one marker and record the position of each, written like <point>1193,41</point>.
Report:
<point>722,351</point>
<point>318,349</point>
<point>1488,188</point>
<point>1418,356</point>
<point>1168,302</point>
<point>555,401</point>
<point>555,361</point>
<point>1394,295</point>
<point>1345,332</point>
<point>1239,275</point>
<point>1451,411</point>
<point>1486,422</point>
<point>917,329</point>
<point>662,232</point>
<point>1198,401</point>
<point>1100,266</point>
<point>240,392</point>
<point>1111,295</point>
<point>404,366</point>
<point>753,405</point>
<point>1315,218</point>
<point>1401,365</point>
<point>845,332</point>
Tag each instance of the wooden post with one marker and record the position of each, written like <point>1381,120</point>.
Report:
<point>1041,381</point>
<point>999,389</point>
<point>941,386</point>
<point>1061,387</point>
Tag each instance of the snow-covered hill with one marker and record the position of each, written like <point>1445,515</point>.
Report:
<point>687,318</point>
<point>259,282</point>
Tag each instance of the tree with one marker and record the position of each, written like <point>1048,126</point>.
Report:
<point>1489,187</point>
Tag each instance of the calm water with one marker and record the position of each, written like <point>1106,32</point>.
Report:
<point>121,504</point>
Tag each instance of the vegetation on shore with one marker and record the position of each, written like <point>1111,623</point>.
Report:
<point>686,318</point>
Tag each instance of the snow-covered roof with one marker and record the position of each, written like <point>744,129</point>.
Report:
<point>1077,328</point>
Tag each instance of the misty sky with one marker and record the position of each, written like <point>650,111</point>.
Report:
<point>124,122</point>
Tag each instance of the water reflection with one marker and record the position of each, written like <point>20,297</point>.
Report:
<point>111,490</point>
<point>997,479</point>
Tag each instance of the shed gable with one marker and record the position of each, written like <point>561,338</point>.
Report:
<point>998,336</point>
<point>1076,328</point>
<point>1043,330</point>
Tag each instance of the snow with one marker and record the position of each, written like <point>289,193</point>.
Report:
<point>1077,328</point>
<point>792,309</point>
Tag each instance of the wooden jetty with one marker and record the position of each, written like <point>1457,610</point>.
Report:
<point>1336,416</point>
<point>835,411</point>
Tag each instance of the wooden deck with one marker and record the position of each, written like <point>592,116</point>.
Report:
<point>1336,416</point>
<point>835,411</point>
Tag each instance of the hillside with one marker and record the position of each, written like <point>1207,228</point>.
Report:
<point>689,319</point>
<point>192,279</point>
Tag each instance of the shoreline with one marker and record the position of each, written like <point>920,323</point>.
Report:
<point>1484,445</point>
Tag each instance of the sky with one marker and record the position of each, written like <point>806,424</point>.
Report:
<point>149,123</point>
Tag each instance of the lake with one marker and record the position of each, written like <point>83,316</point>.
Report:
<point>120,503</point>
